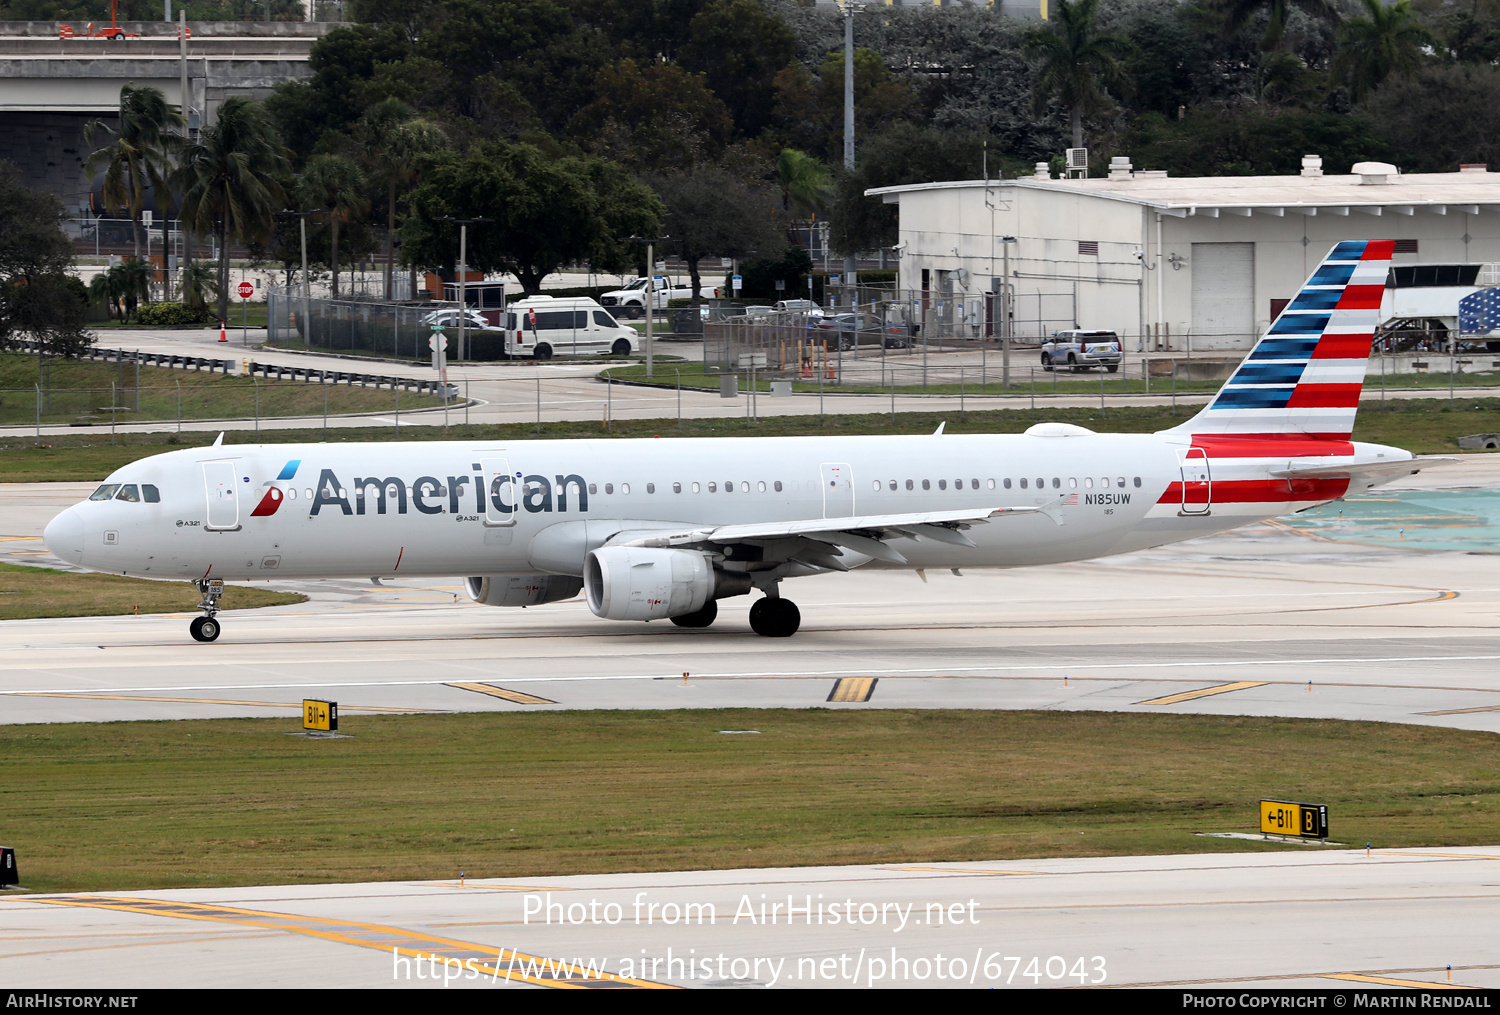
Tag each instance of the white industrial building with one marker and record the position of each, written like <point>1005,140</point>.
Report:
<point>1183,264</point>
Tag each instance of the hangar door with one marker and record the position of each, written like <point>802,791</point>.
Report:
<point>1223,295</point>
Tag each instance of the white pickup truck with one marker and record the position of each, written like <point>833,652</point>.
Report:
<point>631,301</point>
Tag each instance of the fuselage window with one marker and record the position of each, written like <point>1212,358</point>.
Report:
<point>927,484</point>
<point>942,484</point>
<point>1072,483</point>
<point>696,488</point>
<point>593,488</point>
<point>778,486</point>
<point>745,487</point>
<point>1122,482</point>
<point>609,488</point>
<point>650,488</point>
<point>875,486</point>
<point>129,493</point>
<point>291,493</point>
<point>729,487</point>
<point>309,492</point>
<point>958,484</point>
<point>760,487</point>
<point>105,492</point>
<point>1023,482</point>
<point>1056,483</point>
<point>974,484</point>
<point>712,487</point>
<point>1138,482</point>
<point>893,484</point>
<point>1104,482</point>
<point>1088,482</point>
<point>908,484</point>
<point>624,487</point>
<point>676,487</point>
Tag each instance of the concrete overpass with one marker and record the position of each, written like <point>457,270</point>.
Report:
<point>50,87</point>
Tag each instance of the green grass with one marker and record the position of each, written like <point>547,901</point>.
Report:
<point>1423,426</point>
<point>1025,378</point>
<point>79,391</point>
<point>30,592</point>
<point>138,805</point>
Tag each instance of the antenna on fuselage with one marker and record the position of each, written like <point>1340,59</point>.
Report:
<point>219,439</point>
<point>939,431</point>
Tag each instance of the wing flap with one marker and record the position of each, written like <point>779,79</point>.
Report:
<point>835,530</point>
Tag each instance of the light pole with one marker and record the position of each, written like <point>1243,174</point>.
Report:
<point>650,296</point>
<point>463,278</point>
<point>1005,242</point>
<point>850,279</point>
<point>306,283</point>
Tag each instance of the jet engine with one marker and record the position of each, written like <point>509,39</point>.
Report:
<point>522,589</point>
<point>652,583</point>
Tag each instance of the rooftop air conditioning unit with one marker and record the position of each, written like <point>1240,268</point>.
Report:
<point>1078,163</point>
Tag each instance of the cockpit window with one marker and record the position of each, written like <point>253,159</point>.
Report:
<point>150,494</point>
<point>129,493</point>
<point>105,492</point>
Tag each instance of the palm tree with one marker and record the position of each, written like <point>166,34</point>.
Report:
<point>805,186</point>
<point>1237,14</point>
<point>197,284</point>
<point>127,284</point>
<point>1077,63</point>
<point>394,138</point>
<point>335,183</point>
<point>1391,40</point>
<point>227,181</point>
<point>135,155</point>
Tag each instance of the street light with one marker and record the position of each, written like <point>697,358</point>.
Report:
<point>650,296</point>
<point>463,280</point>
<point>306,285</point>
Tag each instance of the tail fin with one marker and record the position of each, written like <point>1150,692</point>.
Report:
<point>1305,374</point>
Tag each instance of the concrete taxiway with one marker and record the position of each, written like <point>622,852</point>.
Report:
<point>1310,918</point>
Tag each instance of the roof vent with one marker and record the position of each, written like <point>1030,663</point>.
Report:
<point>1043,171</point>
<point>1119,168</point>
<point>1312,165</point>
<point>1474,167</point>
<point>1151,174</point>
<point>1374,172</point>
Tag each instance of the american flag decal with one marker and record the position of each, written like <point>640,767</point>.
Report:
<point>1072,500</point>
<point>1305,374</point>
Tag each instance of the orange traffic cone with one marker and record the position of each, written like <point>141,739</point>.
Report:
<point>222,337</point>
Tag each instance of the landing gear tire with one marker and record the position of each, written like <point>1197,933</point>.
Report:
<point>621,347</point>
<point>204,629</point>
<point>775,618</point>
<point>1046,361</point>
<point>699,618</point>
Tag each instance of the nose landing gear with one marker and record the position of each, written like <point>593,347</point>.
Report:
<point>206,627</point>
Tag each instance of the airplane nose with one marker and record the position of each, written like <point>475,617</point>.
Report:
<point>64,536</point>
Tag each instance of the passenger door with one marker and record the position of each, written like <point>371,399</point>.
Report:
<point>223,496</point>
<point>838,490</point>
<point>1197,482</point>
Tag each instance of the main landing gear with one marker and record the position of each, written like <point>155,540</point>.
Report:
<point>701,618</point>
<point>775,617</point>
<point>206,627</point>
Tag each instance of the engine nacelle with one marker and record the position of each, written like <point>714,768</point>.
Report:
<point>522,589</point>
<point>647,583</point>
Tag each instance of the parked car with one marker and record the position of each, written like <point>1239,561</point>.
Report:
<point>805,307</point>
<point>863,329</point>
<point>448,317</point>
<point>1082,350</point>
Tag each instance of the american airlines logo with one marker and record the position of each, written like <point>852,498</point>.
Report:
<point>430,495</point>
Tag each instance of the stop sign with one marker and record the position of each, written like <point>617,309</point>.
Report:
<point>246,290</point>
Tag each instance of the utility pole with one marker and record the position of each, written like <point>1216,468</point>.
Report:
<point>306,281</point>
<point>650,295</point>
<point>1005,242</point>
<point>463,279</point>
<point>850,279</point>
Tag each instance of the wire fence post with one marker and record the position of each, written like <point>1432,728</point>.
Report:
<point>679,399</point>
<point>397,389</point>
<point>1101,391</point>
<point>609,404</point>
<point>960,394</point>
<point>1174,387</point>
<point>467,402</point>
<point>112,400</point>
<point>325,409</point>
<point>257,402</point>
<point>539,403</point>
<point>39,412</point>
<point>893,395</point>
<point>179,405</point>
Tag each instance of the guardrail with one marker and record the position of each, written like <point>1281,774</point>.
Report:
<point>281,372</point>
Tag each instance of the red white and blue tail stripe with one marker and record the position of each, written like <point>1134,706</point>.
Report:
<point>1305,374</point>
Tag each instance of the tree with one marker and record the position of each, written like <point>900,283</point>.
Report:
<point>1078,63</point>
<point>1237,14</point>
<point>122,287</point>
<point>547,211</point>
<point>39,300</point>
<point>806,187</point>
<point>740,47</point>
<point>336,184</point>
<point>394,139</point>
<point>1252,140</point>
<point>1441,117</point>
<point>227,182</point>
<point>1388,40</point>
<point>653,118</point>
<point>812,106</point>
<point>713,212</point>
<point>134,155</point>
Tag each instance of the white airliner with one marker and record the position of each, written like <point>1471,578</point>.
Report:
<point>662,529</point>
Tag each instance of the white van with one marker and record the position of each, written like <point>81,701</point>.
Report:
<point>544,326</point>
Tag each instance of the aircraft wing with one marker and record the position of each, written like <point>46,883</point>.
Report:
<point>809,539</point>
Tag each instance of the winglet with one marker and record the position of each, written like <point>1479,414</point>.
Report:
<point>219,439</point>
<point>939,431</point>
